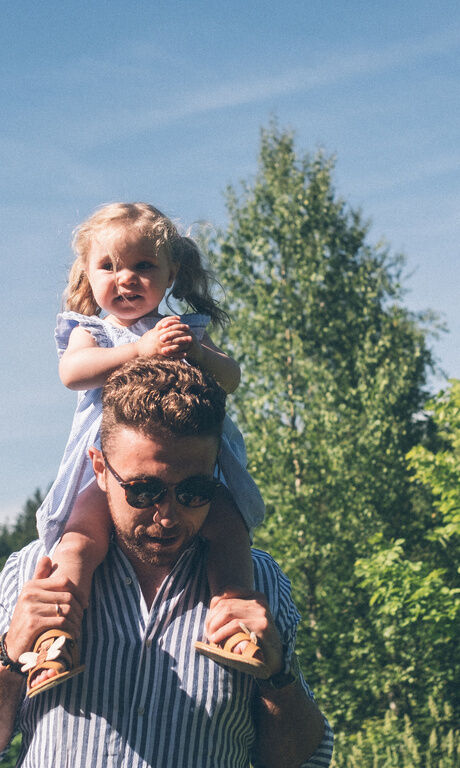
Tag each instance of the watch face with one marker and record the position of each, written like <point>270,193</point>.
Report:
<point>282,679</point>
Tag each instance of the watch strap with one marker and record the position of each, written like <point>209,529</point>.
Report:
<point>5,660</point>
<point>288,676</point>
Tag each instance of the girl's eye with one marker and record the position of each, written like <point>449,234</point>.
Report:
<point>107,266</point>
<point>143,266</point>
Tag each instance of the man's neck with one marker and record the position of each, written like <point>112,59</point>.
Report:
<point>150,579</point>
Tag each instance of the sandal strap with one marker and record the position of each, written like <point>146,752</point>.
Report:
<point>57,664</point>
<point>50,634</point>
<point>251,649</point>
<point>68,655</point>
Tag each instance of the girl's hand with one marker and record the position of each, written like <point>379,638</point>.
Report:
<point>170,337</point>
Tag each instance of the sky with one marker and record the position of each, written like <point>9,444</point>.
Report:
<point>163,101</point>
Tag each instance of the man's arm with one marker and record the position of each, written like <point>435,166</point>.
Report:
<point>289,725</point>
<point>35,612</point>
<point>11,685</point>
<point>290,729</point>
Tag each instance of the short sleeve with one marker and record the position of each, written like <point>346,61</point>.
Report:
<point>67,321</point>
<point>270,579</point>
<point>198,323</point>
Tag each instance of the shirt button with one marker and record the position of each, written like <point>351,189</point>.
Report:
<point>140,711</point>
<point>128,581</point>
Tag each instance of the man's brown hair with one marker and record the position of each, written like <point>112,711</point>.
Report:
<point>155,394</point>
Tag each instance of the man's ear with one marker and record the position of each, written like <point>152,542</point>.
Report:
<point>98,466</point>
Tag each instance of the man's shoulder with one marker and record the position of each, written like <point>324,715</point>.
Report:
<point>268,575</point>
<point>270,579</point>
<point>264,563</point>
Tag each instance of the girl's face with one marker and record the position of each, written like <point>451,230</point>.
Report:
<point>127,277</point>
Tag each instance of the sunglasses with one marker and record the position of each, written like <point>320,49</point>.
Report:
<point>192,492</point>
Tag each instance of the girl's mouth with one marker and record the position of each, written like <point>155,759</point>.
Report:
<point>127,297</point>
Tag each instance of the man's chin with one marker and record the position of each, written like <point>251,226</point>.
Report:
<point>155,550</point>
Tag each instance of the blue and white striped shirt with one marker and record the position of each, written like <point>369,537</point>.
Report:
<point>146,698</point>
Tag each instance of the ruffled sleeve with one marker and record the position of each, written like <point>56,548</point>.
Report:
<point>67,321</point>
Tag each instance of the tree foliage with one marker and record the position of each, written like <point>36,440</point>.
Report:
<point>12,539</point>
<point>334,374</point>
<point>23,531</point>
<point>413,588</point>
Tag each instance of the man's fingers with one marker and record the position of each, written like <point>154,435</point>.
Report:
<point>43,569</point>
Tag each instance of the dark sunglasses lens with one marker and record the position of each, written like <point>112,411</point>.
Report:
<point>195,491</point>
<point>143,495</point>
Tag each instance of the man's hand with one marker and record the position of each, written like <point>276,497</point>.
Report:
<point>250,608</point>
<point>36,609</point>
<point>170,337</point>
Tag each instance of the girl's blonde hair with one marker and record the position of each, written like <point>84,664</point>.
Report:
<point>192,283</point>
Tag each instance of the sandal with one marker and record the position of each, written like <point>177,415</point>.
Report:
<point>245,661</point>
<point>53,649</point>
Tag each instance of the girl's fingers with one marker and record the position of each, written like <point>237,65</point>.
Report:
<point>170,322</point>
<point>171,333</point>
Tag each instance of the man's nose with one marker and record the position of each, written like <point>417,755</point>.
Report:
<point>165,511</point>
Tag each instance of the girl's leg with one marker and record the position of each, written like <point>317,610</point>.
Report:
<point>230,573</point>
<point>85,540</point>
<point>229,559</point>
<point>82,548</point>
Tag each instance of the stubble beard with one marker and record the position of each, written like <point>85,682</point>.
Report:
<point>137,546</point>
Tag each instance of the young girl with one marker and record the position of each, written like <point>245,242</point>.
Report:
<point>128,258</point>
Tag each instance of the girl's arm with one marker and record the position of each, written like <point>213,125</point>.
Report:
<point>225,369</point>
<point>84,365</point>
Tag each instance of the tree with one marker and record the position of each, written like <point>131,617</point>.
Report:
<point>334,371</point>
<point>11,540</point>
<point>414,595</point>
<point>23,531</point>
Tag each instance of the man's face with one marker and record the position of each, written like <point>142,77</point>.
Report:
<point>158,534</point>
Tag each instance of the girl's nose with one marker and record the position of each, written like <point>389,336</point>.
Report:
<point>126,276</point>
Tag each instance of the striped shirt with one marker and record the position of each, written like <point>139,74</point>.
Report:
<point>146,698</point>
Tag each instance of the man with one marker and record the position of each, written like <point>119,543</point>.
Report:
<point>146,697</point>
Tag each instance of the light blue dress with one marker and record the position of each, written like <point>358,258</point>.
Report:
<point>76,471</point>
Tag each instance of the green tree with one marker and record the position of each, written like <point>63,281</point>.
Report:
<point>12,539</point>
<point>23,531</point>
<point>334,370</point>
<point>414,593</point>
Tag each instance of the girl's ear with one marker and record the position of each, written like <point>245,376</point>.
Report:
<point>98,466</point>
<point>173,270</point>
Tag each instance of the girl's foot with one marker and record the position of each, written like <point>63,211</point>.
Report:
<point>53,660</point>
<point>250,660</point>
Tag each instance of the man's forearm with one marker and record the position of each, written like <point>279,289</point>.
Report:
<point>289,727</point>
<point>11,685</point>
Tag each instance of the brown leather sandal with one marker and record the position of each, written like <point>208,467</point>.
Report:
<point>244,662</point>
<point>53,649</point>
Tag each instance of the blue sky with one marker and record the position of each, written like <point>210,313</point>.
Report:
<point>163,102</point>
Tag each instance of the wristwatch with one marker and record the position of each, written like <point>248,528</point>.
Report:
<point>282,679</point>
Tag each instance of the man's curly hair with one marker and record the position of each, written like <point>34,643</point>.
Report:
<point>158,395</point>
